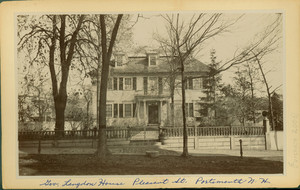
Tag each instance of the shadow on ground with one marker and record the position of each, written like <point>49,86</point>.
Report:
<point>142,165</point>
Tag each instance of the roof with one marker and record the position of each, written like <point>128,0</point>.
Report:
<point>139,66</point>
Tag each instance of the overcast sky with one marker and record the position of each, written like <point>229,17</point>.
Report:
<point>241,34</point>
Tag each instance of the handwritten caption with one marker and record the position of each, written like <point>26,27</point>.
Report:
<point>72,183</point>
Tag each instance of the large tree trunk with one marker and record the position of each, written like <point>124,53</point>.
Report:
<point>60,105</point>
<point>102,150</point>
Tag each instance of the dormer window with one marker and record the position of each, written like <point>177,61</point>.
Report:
<point>152,59</point>
<point>119,59</point>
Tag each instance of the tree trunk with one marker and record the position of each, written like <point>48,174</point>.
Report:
<point>271,114</point>
<point>60,104</point>
<point>185,136</point>
<point>172,89</point>
<point>102,150</point>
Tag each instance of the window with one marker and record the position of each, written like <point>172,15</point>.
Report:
<point>166,84</point>
<point>108,110</point>
<point>152,85</point>
<point>109,84</point>
<point>197,110</point>
<point>127,110</point>
<point>189,83</point>
<point>127,84</point>
<point>152,60</point>
<point>119,60</point>
<point>189,110</point>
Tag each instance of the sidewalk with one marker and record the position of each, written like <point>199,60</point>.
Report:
<point>246,153</point>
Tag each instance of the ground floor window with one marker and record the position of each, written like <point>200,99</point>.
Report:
<point>108,110</point>
<point>121,110</point>
<point>189,110</point>
<point>128,110</point>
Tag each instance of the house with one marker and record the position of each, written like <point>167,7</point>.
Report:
<point>139,91</point>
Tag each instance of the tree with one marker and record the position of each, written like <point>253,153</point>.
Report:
<point>188,37</point>
<point>54,35</point>
<point>106,50</point>
<point>272,39</point>
<point>277,111</point>
<point>184,39</point>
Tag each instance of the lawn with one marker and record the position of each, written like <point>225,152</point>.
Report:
<point>142,165</point>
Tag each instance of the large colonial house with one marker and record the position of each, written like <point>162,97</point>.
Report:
<point>139,91</point>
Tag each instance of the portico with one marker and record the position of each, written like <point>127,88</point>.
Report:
<point>153,110</point>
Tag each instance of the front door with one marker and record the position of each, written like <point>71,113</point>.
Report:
<point>153,114</point>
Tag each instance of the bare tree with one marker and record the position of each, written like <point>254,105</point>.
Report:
<point>185,38</point>
<point>107,48</point>
<point>55,38</point>
<point>272,41</point>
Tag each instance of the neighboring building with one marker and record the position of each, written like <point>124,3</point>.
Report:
<point>139,92</point>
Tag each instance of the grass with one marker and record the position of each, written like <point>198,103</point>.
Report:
<point>141,165</point>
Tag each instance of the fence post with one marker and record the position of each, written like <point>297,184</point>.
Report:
<point>39,147</point>
<point>241,148</point>
<point>196,142</point>
<point>231,137</point>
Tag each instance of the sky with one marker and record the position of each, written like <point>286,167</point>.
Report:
<point>240,34</point>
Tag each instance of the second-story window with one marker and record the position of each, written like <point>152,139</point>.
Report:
<point>152,85</point>
<point>128,84</point>
<point>197,83</point>
<point>122,83</point>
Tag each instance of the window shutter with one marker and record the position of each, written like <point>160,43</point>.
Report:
<point>160,86</point>
<point>133,110</point>
<point>134,83</point>
<point>115,110</point>
<point>145,85</point>
<point>120,83</point>
<point>120,110</point>
<point>191,110</point>
<point>115,83</point>
<point>190,83</point>
<point>186,109</point>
